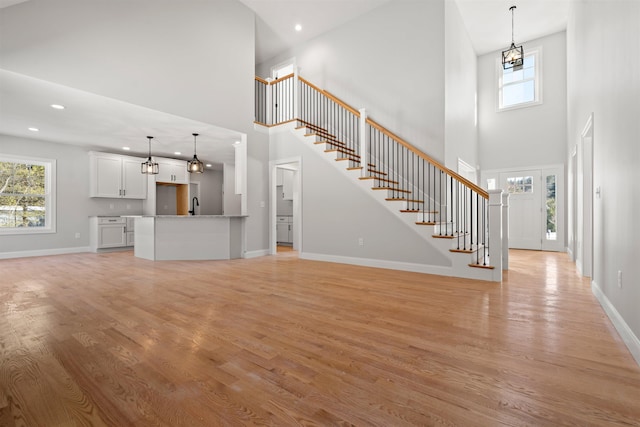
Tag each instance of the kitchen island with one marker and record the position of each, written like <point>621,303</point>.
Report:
<point>184,237</point>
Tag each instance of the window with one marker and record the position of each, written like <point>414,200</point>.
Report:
<point>551,207</point>
<point>520,184</point>
<point>521,88</point>
<point>27,195</point>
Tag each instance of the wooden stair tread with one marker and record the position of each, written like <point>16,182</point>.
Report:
<point>391,189</point>
<point>463,251</point>
<point>425,223</point>
<point>396,199</point>
<point>449,236</point>
<point>377,172</point>
<point>353,168</point>
<point>410,210</point>
<point>378,179</point>
<point>340,150</point>
<point>490,267</point>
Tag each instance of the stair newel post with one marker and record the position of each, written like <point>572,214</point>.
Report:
<point>364,162</point>
<point>296,94</point>
<point>269,101</point>
<point>495,233</point>
<point>505,231</point>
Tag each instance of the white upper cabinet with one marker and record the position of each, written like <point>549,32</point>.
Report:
<point>116,176</point>
<point>172,171</point>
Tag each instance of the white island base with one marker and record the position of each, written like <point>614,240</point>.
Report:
<point>182,237</point>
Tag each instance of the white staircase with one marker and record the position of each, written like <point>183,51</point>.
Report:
<point>471,262</point>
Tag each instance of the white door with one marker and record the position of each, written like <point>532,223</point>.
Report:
<point>525,208</point>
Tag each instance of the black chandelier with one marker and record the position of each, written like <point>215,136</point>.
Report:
<point>195,165</point>
<point>514,56</point>
<point>149,167</point>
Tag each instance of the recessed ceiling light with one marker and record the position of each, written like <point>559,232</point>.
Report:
<point>126,148</point>
<point>34,129</point>
<point>208,165</point>
<point>236,143</point>
<point>57,106</point>
<point>298,27</point>
<point>177,153</point>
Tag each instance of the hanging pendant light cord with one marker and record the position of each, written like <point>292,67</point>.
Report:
<point>194,144</point>
<point>512,39</point>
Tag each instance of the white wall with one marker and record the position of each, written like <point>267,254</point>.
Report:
<point>336,212</point>
<point>528,136</point>
<point>210,192</point>
<point>390,61</point>
<point>231,204</point>
<point>170,56</point>
<point>603,42</point>
<point>166,203</point>
<point>73,203</point>
<point>460,131</point>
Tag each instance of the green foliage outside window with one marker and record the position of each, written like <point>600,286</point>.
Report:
<point>22,195</point>
<point>551,204</point>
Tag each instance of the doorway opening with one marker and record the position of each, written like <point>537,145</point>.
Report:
<point>286,206</point>
<point>582,211</point>
<point>536,205</point>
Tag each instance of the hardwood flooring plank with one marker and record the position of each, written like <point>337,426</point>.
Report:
<point>110,339</point>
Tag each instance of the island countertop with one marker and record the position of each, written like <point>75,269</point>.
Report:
<point>189,237</point>
<point>185,216</point>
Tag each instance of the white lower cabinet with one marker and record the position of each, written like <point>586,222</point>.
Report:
<point>284,229</point>
<point>130,231</point>
<point>108,232</point>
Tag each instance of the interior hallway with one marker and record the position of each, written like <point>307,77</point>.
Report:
<point>110,339</point>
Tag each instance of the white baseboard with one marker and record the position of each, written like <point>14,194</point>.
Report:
<point>630,339</point>
<point>256,254</point>
<point>378,263</point>
<point>44,252</point>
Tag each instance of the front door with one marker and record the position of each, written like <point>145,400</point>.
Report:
<point>525,208</point>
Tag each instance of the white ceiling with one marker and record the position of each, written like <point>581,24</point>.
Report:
<point>276,19</point>
<point>107,124</point>
<point>102,123</point>
<point>488,22</point>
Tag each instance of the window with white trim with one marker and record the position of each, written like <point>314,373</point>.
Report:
<point>27,195</point>
<point>521,87</point>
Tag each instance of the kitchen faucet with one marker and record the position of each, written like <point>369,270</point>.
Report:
<point>193,206</point>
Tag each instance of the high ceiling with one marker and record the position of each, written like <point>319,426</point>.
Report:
<point>94,120</point>
<point>488,22</point>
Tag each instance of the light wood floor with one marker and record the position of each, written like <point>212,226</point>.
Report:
<point>109,339</point>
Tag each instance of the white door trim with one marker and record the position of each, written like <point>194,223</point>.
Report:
<point>297,203</point>
<point>558,169</point>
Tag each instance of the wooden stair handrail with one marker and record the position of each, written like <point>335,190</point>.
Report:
<point>387,132</point>
<point>332,97</point>
<point>428,158</point>
<point>272,82</point>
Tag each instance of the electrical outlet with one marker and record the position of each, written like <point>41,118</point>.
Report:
<point>360,241</point>
<point>262,204</point>
<point>620,278</point>
<point>110,205</point>
<point>77,235</point>
<point>128,206</point>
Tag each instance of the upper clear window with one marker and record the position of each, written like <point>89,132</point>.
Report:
<point>520,184</point>
<point>27,195</point>
<point>520,87</point>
